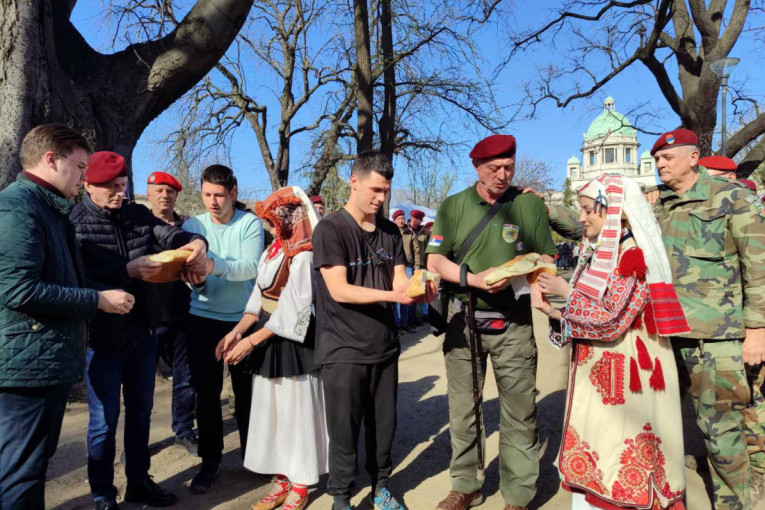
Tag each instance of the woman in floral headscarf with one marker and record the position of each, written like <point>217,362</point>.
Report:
<point>622,436</point>
<point>288,432</point>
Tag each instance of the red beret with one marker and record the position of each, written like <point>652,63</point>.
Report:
<point>494,146</point>
<point>397,213</point>
<point>317,200</point>
<point>416,213</point>
<point>104,166</point>
<point>749,184</point>
<point>675,138</point>
<point>428,224</point>
<point>718,163</point>
<point>164,178</point>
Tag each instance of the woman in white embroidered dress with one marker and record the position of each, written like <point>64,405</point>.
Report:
<point>288,433</point>
<point>622,441</point>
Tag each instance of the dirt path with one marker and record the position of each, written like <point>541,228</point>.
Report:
<point>421,449</point>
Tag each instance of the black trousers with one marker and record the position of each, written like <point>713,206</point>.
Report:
<point>355,392</point>
<point>203,336</point>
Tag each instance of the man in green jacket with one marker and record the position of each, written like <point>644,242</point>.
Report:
<point>714,233</point>
<point>43,308</point>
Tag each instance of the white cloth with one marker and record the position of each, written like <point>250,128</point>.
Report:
<point>291,318</point>
<point>579,502</point>
<point>288,428</point>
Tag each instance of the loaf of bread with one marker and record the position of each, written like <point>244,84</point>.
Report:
<point>172,265</point>
<point>522,264</point>
<point>542,267</point>
<point>418,282</point>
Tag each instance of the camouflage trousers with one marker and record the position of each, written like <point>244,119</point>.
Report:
<point>713,373</point>
<point>754,418</point>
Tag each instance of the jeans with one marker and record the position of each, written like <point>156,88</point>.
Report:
<point>30,424</point>
<point>184,398</point>
<point>402,311</point>
<point>131,370</point>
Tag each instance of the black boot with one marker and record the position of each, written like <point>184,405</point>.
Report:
<point>203,481</point>
<point>146,491</point>
<point>107,504</point>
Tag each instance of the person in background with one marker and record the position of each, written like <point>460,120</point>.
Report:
<point>318,203</point>
<point>44,308</point>
<point>116,239</point>
<point>421,242</point>
<point>218,300</point>
<point>411,252</point>
<point>162,190</point>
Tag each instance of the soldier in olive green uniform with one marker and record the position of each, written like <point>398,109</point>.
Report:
<point>714,233</point>
<point>521,226</point>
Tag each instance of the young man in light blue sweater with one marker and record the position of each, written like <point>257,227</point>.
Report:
<point>218,300</point>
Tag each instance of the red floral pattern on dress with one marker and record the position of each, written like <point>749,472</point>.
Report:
<point>579,465</point>
<point>623,302</point>
<point>584,352</point>
<point>607,375</point>
<point>641,461</point>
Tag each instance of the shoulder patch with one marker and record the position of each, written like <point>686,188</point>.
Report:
<point>436,241</point>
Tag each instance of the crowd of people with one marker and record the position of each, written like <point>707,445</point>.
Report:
<point>667,299</point>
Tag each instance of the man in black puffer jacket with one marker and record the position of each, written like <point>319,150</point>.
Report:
<point>116,240</point>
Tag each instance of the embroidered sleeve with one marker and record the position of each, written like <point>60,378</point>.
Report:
<point>624,300</point>
<point>254,303</point>
<point>556,334</point>
<point>291,318</point>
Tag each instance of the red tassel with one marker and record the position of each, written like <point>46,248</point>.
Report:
<point>657,378</point>
<point>650,323</point>
<point>632,263</point>
<point>638,323</point>
<point>643,357</point>
<point>635,386</point>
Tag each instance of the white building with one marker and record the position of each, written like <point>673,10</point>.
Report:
<point>610,146</point>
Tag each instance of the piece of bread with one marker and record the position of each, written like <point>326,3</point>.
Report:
<point>522,264</point>
<point>172,265</point>
<point>542,267</point>
<point>418,282</point>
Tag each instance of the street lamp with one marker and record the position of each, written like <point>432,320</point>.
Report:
<point>722,68</point>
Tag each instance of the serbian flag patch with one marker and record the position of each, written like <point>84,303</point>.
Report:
<point>436,241</point>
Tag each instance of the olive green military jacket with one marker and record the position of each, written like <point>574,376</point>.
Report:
<point>714,235</point>
<point>421,241</point>
<point>411,248</point>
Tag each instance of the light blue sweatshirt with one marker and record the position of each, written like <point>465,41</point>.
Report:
<point>235,249</point>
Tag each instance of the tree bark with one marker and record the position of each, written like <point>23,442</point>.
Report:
<point>365,130</point>
<point>388,118</point>
<point>49,73</point>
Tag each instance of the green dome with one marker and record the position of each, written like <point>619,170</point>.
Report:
<point>646,155</point>
<point>573,160</point>
<point>611,121</point>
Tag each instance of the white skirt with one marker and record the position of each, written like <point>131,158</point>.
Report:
<point>288,428</point>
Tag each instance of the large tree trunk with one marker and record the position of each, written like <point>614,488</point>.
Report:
<point>48,73</point>
<point>365,131</point>
<point>388,118</point>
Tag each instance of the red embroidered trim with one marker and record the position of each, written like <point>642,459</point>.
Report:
<point>608,377</point>
<point>584,352</point>
<point>579,465</point>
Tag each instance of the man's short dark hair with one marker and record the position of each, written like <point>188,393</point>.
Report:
<point>372,161</point>
<point>220,175</point>
<point>56,138</point>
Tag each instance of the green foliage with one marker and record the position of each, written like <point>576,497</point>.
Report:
<point>569,195</point>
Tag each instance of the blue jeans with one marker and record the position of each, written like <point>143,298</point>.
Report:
<point>184,397</point>
<point>402,311</point>
<point>30,424</point>
<point>106,372</point>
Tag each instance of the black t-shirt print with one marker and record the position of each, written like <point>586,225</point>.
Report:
<point>349,333</point>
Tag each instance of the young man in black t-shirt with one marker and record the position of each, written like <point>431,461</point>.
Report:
<point>360,272</point>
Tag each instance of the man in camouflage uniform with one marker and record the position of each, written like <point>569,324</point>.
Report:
<point>714,233</point>
<point>412,253</point>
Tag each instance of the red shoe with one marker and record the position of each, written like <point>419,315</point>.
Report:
<point>275,497</point>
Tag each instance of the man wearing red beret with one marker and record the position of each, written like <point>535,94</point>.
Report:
<point>719,166</point>
<point>411,253</point>
<point>714,234</point>
<point>116,239</point>
<point>318,203</point>
<point>162,190</point>
<point>519,226</point>
<point>421,244</point>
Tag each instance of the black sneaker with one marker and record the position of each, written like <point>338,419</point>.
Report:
<point>147,491</point>
<point>107,504</point>
<point>203,481</point>
<point>190,441</point>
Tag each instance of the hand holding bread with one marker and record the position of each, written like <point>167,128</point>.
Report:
<point>162,267</point>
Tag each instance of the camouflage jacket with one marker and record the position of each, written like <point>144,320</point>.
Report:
<point>411,248</point>
<point>714,235</point>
